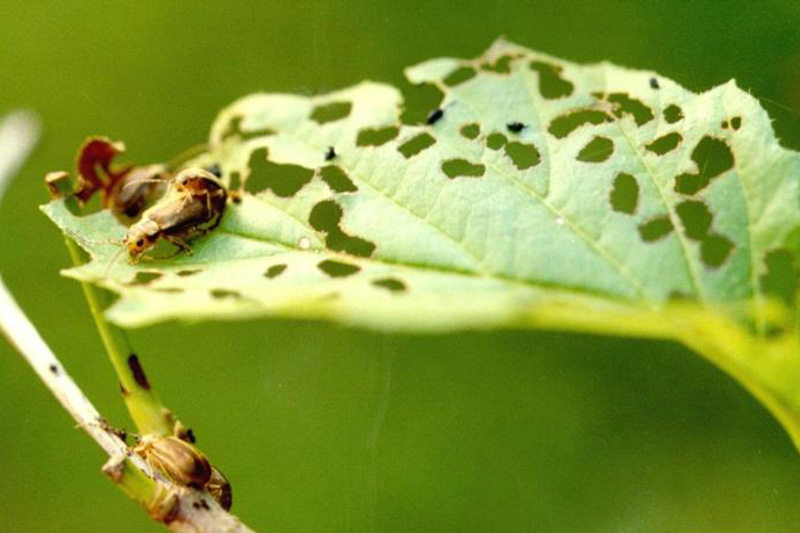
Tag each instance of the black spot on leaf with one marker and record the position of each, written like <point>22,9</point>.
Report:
<point>457,168</point>
<point>337,269</point>
<point>597,150</point>
<point>654,83</point>
<point>330,153</point>
<point>416,144</point>
<point>562,126</point>
<point>655,229</point>
<point>665,143</point>
<point>331,112</point>
<point>434,116</point>
<point>188,272</point>
<point>283,180</point>
<point>551,84</point>
<point>376,136</point>
<point>625,194</point>
<point>337,179</point>
<point>523,155</point>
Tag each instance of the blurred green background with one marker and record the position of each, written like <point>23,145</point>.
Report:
<point>324,428</point>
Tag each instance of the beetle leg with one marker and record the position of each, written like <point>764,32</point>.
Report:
<point>180,243</point>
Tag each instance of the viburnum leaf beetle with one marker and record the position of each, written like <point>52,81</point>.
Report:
<point>185,465</point>
<point>193,204</point>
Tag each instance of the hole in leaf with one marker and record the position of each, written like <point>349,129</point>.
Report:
<point>523,155</point>
<point>501,66</point>
<point>655,229</point>
<point>625,103</point>
<point>187,273</point>
<point>458,76</point>
<point>235,181</point>
<point>713,157</point>
<point>725,124</point>
<point>234,127</point>
<point>673,114</point>
<point>714,250</point>
<point>322,114</point>
<point>470,131</point>
<point>665,143</point>
<point>625,194</point>
<point>418,100</point>
<point>551,84</point>
<point>415,145</point>
<point>597,150</point>
<point>275,270</point>
<point>337,269</point>
<point>143,278</point>
<point>283,180</point>
<point>390,284</point>
<point>736,123</point>
<point>169,290</point>
<point>376,136</point>
<point>566,124</point>
<point>695,218</point>
<point>224,293</point>
<point>325,217</point>
<point>495,141</point>
<point>455,168</point>
<point>781,276</point>
<point>337,179</point>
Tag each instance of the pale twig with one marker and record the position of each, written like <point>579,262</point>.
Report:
<point>182,509</point>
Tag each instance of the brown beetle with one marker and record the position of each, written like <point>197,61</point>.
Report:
<point>180,461</point>
<point>193,204</point>
<point>185,465</point>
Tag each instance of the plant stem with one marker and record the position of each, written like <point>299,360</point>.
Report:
<point>148,413</point>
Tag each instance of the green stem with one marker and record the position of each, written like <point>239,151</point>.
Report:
<point>148,413</point>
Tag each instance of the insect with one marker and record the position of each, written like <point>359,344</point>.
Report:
<point>185,465</point>
<point>180,461</point>
<point>126,189</point>
<point>515,127</point>
<point>130,194</point>
<point>193,204</point>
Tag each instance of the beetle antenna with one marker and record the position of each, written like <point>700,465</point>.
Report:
<point>112,261</point>
<point>145,180</point>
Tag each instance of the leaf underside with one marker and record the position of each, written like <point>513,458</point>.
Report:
<point>538,192</point>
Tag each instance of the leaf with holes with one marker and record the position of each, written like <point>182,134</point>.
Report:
<point>536,193</point>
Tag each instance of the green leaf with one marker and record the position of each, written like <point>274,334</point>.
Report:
<point>540,194</point>
<point>581,186</point>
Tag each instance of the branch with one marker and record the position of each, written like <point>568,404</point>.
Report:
<point>183,509</point>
